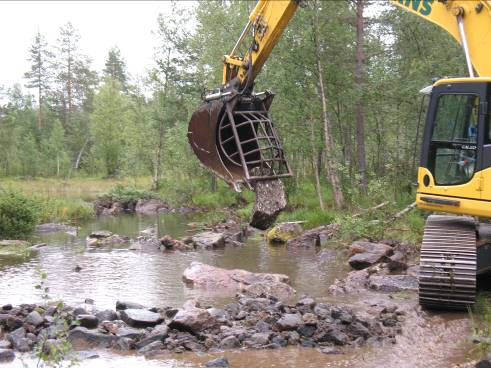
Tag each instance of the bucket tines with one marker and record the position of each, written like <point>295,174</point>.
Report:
<point>248,139</point>
<point>237,140</point>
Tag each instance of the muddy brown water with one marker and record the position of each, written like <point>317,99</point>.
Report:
<point>153,278</point>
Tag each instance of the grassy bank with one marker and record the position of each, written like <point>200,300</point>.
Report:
<point>59,200</point>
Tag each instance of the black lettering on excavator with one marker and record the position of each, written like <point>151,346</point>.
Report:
<point>421,6</point>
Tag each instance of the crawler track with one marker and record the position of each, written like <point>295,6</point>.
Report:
<point>447,276</point>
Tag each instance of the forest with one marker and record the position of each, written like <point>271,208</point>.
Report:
<point>366,61</point>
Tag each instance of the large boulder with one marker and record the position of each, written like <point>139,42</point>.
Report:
<point>283,232</point>
<point>150,206</point>
<point>270,201</point>
<point>203,276</point>
<point>278,290</point>
<point>140,317</point>
<point>83,338</point>
<point>208,240</point>
<point>314,237</point>
<point>193,320</point>
<point>393,283</point>
<point>366,254</point>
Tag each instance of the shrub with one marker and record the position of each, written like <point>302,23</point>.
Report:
<point>127,196</point>
<point>18,214</point>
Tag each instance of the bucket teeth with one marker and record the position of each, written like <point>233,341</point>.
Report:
<point>447,275</point>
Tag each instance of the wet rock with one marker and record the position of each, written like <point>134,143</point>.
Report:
<point>221,362</point>
<point>104,238</point>
<point>230,342</point>
<point>100,234</point>
<point>270,201</point>
<point>208,240</point>
<point>48,228</point>
<point>260,338</point>
<point>151,348</point>
<point>322,310</point>
<point>393,283</point>
<point>124,344</point>
<point>34,318</point>
<point>115,209</point>
<point>329,350</point>
<point>367,254</point>
<point>107,315</point>
<point>150,206</point>
<point>283,232</point>
<point>233,231</point>
<point>5,344</point>
<point>18,340</point>
<point>159,333</point>
<point>289,321</point>
<point>6,355</point>
<point>313,237</point>
<point>218,314</point>
<point>202,276</point>
<point>140,318</point>
<point>354,282</point>
<point>268,289</point>
<point>7,307</point>
<point>192,320</point>
<point>279,340</point>
<point>306,331</point>
<point>37,247</point>
<point>167,243</point>
<point>83,338</point>
<point>121,305</point>
<point>397,262</point>
<point>87,320</point>
<point>128,332</point>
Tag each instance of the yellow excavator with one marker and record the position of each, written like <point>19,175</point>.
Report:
<point>233,135</point>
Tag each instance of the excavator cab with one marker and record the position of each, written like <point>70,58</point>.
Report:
<point>456,153</point>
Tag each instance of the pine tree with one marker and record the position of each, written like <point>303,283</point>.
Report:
<point>40,75</point>
<point>115,67</point>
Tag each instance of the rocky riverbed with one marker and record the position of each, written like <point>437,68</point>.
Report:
<point>222,290</point>
<point>256,323</point>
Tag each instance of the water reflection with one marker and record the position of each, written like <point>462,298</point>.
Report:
<point>148,277</point>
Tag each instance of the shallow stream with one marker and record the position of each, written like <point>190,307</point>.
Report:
<point>153,278</point>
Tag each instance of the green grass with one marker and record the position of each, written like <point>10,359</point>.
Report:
<point>64,210</point>
<point>480,316</point>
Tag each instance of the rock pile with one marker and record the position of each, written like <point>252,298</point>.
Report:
<point>247,323</point>
<point>202,276</point>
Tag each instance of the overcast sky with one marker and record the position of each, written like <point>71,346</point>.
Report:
<point>101,24</point>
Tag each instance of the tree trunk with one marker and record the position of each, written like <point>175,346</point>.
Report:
<point>315,165</point>
<point>360,117</point>
<point>328,140</point>
<point>158,158</point>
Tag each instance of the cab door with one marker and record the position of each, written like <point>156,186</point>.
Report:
<point>452,155</point>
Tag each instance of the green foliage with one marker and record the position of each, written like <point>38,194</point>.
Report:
<point>61,209</point>
<point>126,195</point>
<point>18,214</point>
<point>480,316</point>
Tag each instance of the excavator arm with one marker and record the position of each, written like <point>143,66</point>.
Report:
<point>232,133</point>
<point>468,21</point>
